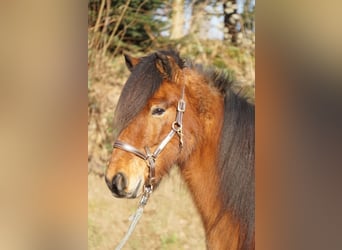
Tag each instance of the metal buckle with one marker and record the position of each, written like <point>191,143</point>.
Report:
<point>146,195</point>
<point>181,105</point>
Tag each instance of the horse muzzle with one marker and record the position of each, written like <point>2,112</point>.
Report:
<point>120,189</point>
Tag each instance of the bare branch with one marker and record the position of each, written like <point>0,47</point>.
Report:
<point>128,25</point>
<point>96,27</point>
<point>105,47</point>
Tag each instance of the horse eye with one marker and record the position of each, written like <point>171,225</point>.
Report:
<point>158,111</point>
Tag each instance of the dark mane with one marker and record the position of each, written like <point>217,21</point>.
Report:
<point>236,162</point>
<point>143,82</point>
<point>236,155</point>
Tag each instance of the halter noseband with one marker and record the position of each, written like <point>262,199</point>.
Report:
<point>150,158</point>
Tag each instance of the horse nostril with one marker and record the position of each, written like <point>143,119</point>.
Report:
<point>119,184</point>
<point>108,182</point>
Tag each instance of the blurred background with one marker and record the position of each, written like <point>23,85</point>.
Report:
<point>52,193</point>
<point>214,33</point>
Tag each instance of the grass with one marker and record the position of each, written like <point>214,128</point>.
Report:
<point>170,240</point>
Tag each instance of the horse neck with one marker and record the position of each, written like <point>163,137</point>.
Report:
<point>200,170</point>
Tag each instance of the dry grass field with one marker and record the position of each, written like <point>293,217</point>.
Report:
<point>170,219</point>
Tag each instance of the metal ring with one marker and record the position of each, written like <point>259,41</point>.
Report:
<point>178,128</point>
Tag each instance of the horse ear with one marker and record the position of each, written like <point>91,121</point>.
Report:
<point>131,61</point>
<point>167,66</point>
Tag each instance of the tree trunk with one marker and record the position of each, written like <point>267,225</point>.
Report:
<point>199,19</point>
<point>231,18</point>
<point>177,19</point>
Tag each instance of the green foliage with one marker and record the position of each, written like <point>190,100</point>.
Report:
<point>219,63</point>
<point>248,15</point>
<point>168,240</point>
<point>129,25</point>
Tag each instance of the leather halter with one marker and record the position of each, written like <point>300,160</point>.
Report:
<point>150,158</point>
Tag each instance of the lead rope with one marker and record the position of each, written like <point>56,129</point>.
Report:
<point>148,189</point>
<point>134,218</point>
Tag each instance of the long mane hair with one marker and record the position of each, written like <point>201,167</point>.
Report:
<point>236,153</point>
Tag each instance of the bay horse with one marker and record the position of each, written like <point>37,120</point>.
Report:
<point>174,112</point>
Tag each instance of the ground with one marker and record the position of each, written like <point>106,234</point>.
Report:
<point>170,219</point>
